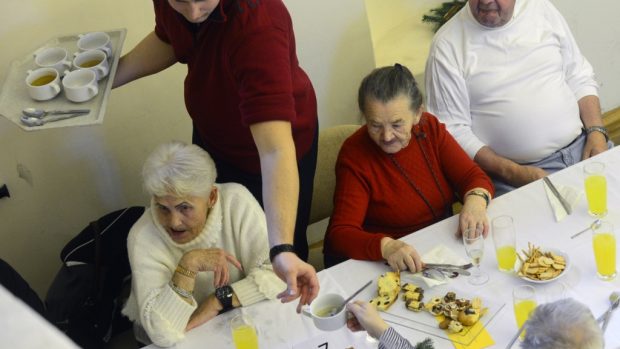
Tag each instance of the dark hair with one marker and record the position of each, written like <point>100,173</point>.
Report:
<point>386,83</point>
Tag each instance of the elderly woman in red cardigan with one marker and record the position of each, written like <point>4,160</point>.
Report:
<point>399,173</point>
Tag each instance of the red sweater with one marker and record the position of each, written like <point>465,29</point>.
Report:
<point>374,200</point>
<point>242,69</point>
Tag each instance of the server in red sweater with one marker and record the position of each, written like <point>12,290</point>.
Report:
<point>397,174</point>
<point>253,109</point>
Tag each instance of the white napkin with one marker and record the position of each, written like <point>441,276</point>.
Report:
<point>439,254</point>
<point>569,193</point>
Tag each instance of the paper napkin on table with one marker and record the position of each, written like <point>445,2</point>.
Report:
<point>477,337</point>
<point>440,254</point>
<point>569,193</point>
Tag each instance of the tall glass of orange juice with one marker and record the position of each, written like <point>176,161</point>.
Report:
<point>504,239</point>
<point>524,302</point>
<point>243,332</point>
<point>596,188</point>
<point>604,244</point>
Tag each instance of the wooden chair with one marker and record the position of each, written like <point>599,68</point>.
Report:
<point>611,119</point>
<point>330,141</point>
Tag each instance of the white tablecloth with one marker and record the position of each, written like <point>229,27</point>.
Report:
<point>22,327</point>
<point>281,327</point>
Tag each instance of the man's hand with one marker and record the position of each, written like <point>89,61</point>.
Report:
<point>595,144</point>
<point>400,256</point>
<point>507,170</point>
<point>528,174</point>
<point>300,278</point>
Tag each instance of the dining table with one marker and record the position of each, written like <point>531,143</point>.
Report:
<point>280,326</point>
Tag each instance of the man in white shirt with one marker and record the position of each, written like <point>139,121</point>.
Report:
<point>509,81</point>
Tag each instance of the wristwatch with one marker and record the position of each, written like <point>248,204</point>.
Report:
<point>224,294</point>
<point>277,249</point>
<point>600,129</point>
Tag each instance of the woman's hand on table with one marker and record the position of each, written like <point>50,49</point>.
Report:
<point>400,256</point>
<point>205,312</point>
<point>365,317</point>
<point>473,217</point>
<point>211,259</point>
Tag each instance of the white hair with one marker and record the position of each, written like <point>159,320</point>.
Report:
<point>563,324</point>
<point>179,169</point>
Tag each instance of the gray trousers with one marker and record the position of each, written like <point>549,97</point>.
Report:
<point>560,159</point>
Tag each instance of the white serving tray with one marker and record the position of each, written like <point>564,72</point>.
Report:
<point>14,96</point>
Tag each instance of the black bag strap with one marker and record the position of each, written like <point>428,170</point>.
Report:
<point>96,237</point>
<point>98,284</point>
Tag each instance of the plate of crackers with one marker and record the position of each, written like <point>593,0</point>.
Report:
<point>541,265</point>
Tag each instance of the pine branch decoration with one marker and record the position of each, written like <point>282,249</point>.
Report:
<point>425,344</point>
<point>442,14</point>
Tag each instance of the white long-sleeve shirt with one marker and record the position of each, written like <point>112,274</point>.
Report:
<point>514,88</point>
<point>236,224</point>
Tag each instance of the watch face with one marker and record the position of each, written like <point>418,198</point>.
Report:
<point>224,295</point>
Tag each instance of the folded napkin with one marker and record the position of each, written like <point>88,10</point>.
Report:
<point>439,254</point>
<point>569,193</point>
<point>477,337</point>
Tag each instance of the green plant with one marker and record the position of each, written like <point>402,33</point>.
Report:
<point>442,14</point>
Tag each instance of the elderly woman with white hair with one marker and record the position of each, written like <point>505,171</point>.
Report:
<point>563,324</point>
<point>182,249</point>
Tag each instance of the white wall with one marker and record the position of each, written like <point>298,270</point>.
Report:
<point>334,47</point>
<point>71,176</point>
<point>595,27</point>
<point>398,33</point>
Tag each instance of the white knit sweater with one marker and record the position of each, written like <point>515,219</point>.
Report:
<point>236,224</point>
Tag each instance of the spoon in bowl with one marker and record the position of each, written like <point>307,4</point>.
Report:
<point>335,310</point>
<point>40,113</point>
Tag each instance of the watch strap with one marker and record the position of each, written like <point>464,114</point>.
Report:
<point>601,129</point>
<point>224,294</point>
<point>277,249</point>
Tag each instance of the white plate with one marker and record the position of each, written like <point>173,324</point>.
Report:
<point>555,251</point>
<point>426,323</point>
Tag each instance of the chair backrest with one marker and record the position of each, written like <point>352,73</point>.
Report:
<point>611,119</point>
<point>330,141</point>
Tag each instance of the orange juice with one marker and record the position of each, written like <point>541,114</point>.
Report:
<point>596,192</point>
<point>506,257</point>
<point>605,254</point>
<point>244,337</point>
<point>522,311</point>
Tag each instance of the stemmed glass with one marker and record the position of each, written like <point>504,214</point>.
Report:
<point>474,246</point>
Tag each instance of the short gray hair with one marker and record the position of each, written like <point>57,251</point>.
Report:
<point>563,324</point>
<point>179,169</point>
<point>386,83</point>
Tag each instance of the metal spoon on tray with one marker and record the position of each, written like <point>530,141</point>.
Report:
<point>32,121</point>
<point>39,113</point>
